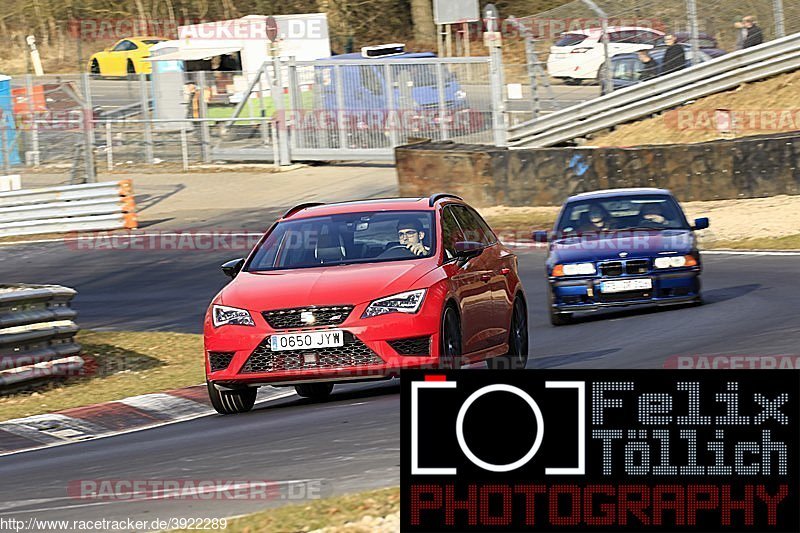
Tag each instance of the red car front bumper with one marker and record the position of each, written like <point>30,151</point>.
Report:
<point>370,351</point>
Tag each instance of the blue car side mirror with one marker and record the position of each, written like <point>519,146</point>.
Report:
<point>701,223</point>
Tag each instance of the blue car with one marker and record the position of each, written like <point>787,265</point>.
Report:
<point>621,247</point>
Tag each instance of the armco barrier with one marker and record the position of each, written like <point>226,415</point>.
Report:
<point>662,93</point>
<point>37,334</point>
<point>93,206</point>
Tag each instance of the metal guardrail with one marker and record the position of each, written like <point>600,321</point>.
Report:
<point>723,73</point>
<point>93,206</point>
<point>37,335</point>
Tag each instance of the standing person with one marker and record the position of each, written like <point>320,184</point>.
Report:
<point>741,33</point>
<point>754,35</point>
<point>674,57</point>
<point>649,66</point>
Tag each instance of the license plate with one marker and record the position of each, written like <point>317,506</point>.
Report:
<point>625,285</point>
<point>307,341</point>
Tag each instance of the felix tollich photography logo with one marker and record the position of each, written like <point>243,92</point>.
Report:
<point>576,451</point>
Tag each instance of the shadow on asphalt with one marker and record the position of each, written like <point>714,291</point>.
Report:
<point>551,361</point>
<point>710,297</point>
<point>383,388</point>
<point>729,293</point>
<point>146,201</point>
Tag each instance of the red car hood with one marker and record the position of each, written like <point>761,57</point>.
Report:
<point>345,284</point>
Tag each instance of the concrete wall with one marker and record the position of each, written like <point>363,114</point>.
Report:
<point>486,175</point>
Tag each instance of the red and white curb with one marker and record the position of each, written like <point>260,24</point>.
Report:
<point>113,418</point>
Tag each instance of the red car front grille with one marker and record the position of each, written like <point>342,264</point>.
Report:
<point>293,318</point>
<point>353,353</point>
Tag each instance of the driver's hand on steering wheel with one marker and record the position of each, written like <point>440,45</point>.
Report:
<point>417,248</point>
<point>655,219</point>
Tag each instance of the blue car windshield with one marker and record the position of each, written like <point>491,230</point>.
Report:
<point>349,238</point>
<point>621,213</point>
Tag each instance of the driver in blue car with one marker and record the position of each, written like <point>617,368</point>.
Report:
<point>410,234</point>
<point>598,220</point>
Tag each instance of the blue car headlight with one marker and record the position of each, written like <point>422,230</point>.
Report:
<point>404,302</point>
<point>574,269</point>
<point>675,261</point>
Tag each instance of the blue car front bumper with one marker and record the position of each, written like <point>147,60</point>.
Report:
<point>585,294</point>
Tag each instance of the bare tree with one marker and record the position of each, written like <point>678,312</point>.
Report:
<point>422,18</point>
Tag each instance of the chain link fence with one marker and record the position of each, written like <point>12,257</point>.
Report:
<point>77,125</point>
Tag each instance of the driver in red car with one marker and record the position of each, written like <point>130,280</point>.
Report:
<point>410,234</point>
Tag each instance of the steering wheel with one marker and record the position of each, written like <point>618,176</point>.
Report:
<point>392,251</point>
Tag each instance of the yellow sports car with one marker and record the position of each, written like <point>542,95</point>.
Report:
<point>126,57</point>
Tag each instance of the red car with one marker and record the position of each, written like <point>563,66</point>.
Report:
<point>359,290</point>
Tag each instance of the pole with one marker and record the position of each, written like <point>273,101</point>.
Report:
<point>442,102</point>
<point>493,41</point>
<point>34,123</point>
<point>109,147</point>
<point>467,53</point>
<point>448,38</point>
<point>205,134</point>
<point>280,112</point>
<point>439,49</point>
<point>148,127</point>
<point>88,129</point>
<point>605,75</point>
<point>184,148</point>
<point>530,52</point>
<point>4,140</point>
<point>777,8</point>
<point>691,12</point>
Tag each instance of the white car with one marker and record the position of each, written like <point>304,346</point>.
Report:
<point>578,55</point>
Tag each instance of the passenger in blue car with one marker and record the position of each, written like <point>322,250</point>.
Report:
<point>653,215</point>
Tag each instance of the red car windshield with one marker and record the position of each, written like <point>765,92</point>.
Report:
<point>346,239</point>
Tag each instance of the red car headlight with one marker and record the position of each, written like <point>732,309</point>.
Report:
<point>404,302</point>
<point>222,315</point>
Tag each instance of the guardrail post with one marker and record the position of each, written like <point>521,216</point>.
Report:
<point>88,129</point>
<point>148,127</point>
<point>777,10</point>
<point>205,134</point>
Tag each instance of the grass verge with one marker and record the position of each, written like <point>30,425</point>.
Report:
<point>118,365</point>
<point>329,512</point>
<point>788,242</point>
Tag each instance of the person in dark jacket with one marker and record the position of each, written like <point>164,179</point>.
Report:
<point>649,66</point>
<point>674,57</point>
<point>754,35</point>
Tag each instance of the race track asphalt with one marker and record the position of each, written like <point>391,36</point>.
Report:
<point>352,441</point>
